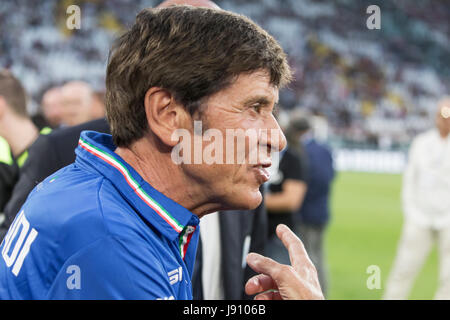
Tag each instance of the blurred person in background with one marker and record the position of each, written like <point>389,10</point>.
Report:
<point>286,189</point>
<point>71,104</point>
<point>51,106</point>
<point>426,206</point>
<point>312,218</point>
<point>79,104</point>
<point>17,131</point>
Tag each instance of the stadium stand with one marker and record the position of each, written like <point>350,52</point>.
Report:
<point>377,89</point>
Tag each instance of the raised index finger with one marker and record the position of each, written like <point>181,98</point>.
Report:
<point>294,245</point>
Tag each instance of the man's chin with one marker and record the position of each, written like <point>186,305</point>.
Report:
<point>246,200</point>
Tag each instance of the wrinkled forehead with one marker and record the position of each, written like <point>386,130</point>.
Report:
<point>75,90</point>
<point>251,87</point>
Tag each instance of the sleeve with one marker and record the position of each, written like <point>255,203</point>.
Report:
<point>294,166</point>
<point>332,171</point>
<point>8,174</point>
<point>41,162</point>
<point>111,269</point>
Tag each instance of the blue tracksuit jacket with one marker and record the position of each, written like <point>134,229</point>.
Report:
<point>96,230</point>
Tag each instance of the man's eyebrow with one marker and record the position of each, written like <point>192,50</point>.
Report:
<point>258,99</point>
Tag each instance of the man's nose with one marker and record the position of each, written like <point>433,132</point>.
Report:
<point>276,139</point>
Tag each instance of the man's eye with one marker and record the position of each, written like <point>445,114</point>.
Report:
<point>257,108</point>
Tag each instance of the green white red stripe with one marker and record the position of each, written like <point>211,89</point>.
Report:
<point>185,239</point>
<point>134,185</point>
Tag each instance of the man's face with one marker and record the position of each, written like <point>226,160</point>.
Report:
<point>52,106</point>
<point>76,104</point>
<point>247,105</point>
<point>443,117</point>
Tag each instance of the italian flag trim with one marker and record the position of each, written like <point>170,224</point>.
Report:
<point>133,184</point>
<point>185,239</point>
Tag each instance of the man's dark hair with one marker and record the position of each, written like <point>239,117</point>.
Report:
<point>191,52</point>
<point>13,92</point>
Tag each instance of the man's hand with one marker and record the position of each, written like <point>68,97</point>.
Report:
<point>277,281</point>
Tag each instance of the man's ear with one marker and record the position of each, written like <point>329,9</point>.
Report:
<point>164,115</point>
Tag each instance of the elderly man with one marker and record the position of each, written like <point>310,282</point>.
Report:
<point>426,204</point>
<point>79,104</point>
<point>122,221</point>
<point>71,104</point>
<point>51,105</point>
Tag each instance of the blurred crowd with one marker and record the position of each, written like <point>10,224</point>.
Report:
<point>377,88</point>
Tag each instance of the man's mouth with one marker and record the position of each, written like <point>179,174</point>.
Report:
<point>262,173</point>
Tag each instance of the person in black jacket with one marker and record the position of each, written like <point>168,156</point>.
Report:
<point>287,189</point>
<point>9,171</point>
<point>240,231</point>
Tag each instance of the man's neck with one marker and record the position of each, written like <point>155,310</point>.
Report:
<point>19,132</point>
<point>158,169</point>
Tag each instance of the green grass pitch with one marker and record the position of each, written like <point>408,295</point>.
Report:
<point>364,230</point>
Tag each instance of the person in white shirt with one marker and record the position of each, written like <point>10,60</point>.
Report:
<point>426,206</point>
